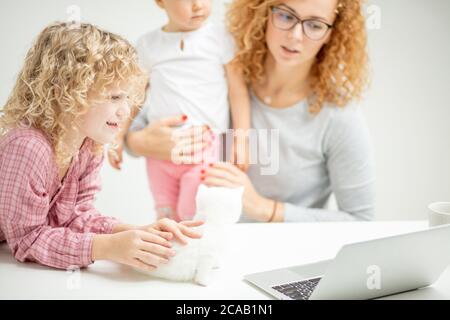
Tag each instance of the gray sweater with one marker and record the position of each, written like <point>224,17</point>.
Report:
<point>318,155</point>
<point>313,156</point>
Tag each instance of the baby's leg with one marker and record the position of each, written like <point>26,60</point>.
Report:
<point>188,190</point>
<point>163,178</point>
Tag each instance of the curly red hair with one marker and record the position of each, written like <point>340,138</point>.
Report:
<point>340,73</point>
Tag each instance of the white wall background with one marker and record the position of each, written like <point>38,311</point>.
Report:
<point>407,106</point>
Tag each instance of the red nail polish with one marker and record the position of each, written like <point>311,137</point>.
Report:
<point>184,117</point>
<point>203,171</point>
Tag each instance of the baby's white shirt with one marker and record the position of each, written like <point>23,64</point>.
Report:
<point>191,80</point>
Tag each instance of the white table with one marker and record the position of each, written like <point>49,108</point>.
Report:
<point>254,247</point>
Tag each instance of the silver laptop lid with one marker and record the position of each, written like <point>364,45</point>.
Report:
<point>386,266</point>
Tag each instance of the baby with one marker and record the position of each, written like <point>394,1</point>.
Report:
<point>191,72</point>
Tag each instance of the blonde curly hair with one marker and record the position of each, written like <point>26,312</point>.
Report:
<point>340,73</point>
<point>67,62</point>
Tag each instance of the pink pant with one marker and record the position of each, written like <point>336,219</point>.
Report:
<point>174,186</point>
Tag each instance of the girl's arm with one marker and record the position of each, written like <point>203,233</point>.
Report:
<point>90,220</point>
<point>25,167</point>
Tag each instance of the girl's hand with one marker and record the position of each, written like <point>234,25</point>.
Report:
<point>224,174</point>
<point>159,138</point>
<point>135,248</point>
<point>168,229</point>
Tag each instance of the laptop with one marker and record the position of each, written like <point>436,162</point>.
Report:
<point>364,270</point>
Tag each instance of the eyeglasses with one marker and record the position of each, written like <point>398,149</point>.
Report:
<point>312,28</point>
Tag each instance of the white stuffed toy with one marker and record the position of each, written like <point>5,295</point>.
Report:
<point>219,207</point>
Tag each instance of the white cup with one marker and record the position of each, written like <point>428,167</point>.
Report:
<point>439,213</point>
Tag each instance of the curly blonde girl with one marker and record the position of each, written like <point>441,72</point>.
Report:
<point>67,63</point>
<point>340,71</point>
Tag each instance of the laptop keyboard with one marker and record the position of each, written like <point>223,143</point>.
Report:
<point>300,290</point>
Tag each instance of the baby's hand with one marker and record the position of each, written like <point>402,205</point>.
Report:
<point>115,156</point>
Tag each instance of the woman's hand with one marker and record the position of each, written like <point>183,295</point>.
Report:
<point>224,174</point>
<point>137,248</point>
<point>160,140</point>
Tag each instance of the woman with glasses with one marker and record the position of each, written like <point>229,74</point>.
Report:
<point>305,62</point>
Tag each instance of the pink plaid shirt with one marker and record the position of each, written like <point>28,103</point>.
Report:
<point>43,219</point>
